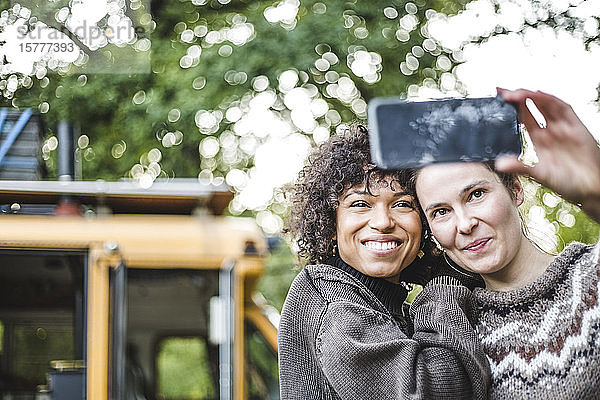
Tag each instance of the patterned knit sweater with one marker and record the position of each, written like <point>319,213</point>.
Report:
<point>543,340</point>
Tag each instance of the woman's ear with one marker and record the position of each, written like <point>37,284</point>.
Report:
<point>518,192</point>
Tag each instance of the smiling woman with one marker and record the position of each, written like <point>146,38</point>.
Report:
<point>345,332</point>
<point>378,230</point>
<point>538,315</point>
<point>476,220</point>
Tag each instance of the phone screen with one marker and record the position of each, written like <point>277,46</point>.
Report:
<point>412,134</point>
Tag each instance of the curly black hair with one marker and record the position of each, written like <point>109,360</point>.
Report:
<point>342,162</point>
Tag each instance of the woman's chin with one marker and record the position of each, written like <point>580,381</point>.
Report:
<point>484,269</point>
<point>385,273</point>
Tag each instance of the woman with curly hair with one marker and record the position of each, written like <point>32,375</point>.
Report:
<point>345,332</point>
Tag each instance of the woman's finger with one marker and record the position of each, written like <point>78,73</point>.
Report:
<point>550,106</point>
<point>511,164</point>
<point>519,99</point>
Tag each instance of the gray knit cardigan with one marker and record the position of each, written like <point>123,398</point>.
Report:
<point>338,341</point>
<point>543,340</point>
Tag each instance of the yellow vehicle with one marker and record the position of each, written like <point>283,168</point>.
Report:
<point>143,288</point>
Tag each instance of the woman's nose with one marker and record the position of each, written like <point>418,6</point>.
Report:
<point>381,219</point>
<point>466,223</point>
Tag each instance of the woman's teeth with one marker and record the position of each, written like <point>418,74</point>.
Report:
<point>381,245</point>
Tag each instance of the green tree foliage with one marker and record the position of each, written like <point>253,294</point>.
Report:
<point>569,222</point>
<point>279,274</point>
<point>183,369</point>
<point>134,112</point>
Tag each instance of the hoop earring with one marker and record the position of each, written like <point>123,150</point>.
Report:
<point>465,273</point>
<point>426,235</point>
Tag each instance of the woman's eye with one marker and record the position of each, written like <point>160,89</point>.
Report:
<point>359,203</point>
<point>404,204</point>
<point>439,212</point>
<point>477,193</point>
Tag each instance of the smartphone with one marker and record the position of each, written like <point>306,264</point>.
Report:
<point>406,134</point>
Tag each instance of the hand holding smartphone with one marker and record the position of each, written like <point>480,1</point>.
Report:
<point>406,134</point>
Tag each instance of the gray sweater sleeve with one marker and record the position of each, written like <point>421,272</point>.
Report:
<point>368,356</point>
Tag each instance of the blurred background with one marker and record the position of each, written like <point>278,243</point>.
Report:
<point>238,92</point>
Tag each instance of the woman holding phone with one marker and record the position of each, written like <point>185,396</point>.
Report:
<point>344,330</point>
<point>539,315</point>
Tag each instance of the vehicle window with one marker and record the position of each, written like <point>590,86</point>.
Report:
<point>262,379</point>
<point>183,369</point>
<point>168,354</point>
<point>42,314</point>
<point>37,345</point>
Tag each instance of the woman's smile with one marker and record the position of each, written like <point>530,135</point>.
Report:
<point>477,245</point>
<point>381,244</point>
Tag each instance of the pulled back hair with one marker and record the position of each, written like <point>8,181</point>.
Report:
<point>342,162</point>
<point>507,179</point>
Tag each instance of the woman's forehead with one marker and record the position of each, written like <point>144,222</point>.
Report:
<point>460,170</point>
<point>441,180</point>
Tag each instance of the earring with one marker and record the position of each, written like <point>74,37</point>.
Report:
<point>424,239</point>
<point>465,273</point>
<point>334,248</point>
